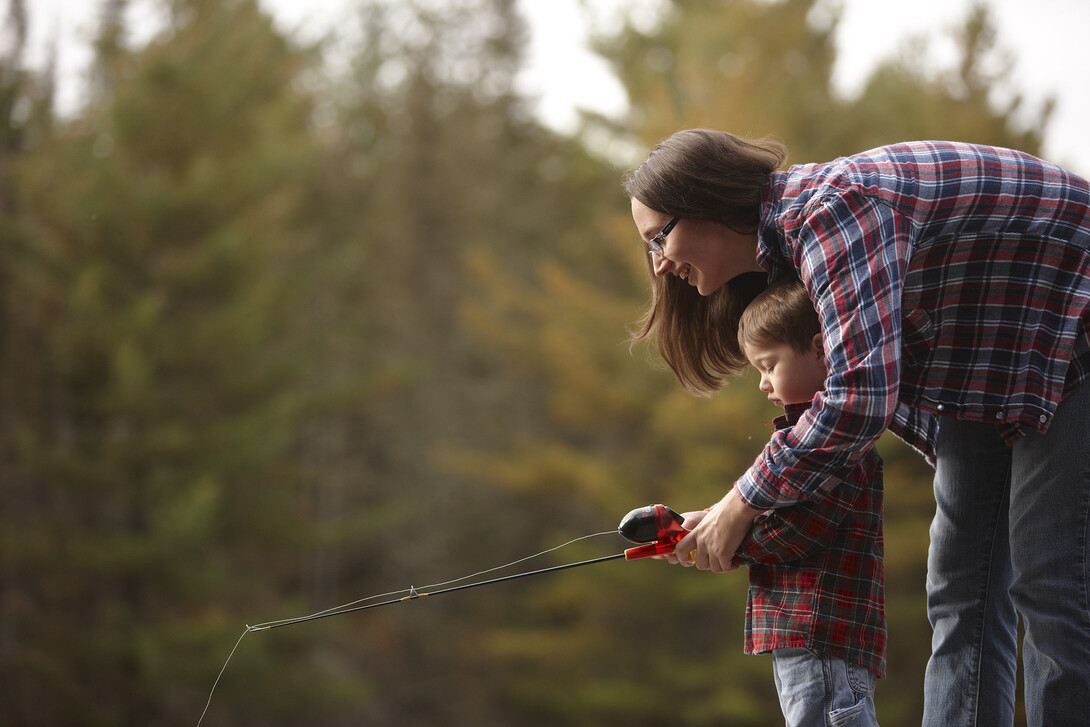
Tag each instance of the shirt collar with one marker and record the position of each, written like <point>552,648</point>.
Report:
<point>791,415</point>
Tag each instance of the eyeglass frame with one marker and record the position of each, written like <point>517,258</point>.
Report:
<point>655,244</point>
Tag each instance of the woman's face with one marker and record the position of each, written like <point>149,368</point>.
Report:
<point>705,254</point>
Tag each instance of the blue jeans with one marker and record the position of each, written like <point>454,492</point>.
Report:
<point>1010,537</point>
<point>818,691</point>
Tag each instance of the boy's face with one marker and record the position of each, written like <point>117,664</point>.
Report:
<point>788,376</point>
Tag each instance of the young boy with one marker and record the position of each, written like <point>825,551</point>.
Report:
<point>815,568</point>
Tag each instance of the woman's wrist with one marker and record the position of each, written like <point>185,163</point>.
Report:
<point>737,506</point>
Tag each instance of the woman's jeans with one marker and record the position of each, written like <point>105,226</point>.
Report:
<point>1010,537</point>
<point>817,691</point>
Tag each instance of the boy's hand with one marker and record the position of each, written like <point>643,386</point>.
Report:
<point>716,535</point>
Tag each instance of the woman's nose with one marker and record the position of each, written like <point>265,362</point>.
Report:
<point>660,265</point>
<point>766,385</point>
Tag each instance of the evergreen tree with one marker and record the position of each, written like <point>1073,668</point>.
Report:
<point>165,264</point>
<point>25,128</point>
<point>452,174</point>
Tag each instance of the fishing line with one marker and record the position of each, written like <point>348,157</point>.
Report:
<point>218,676</point>
<point>411,590</point>
<point>413,593</point>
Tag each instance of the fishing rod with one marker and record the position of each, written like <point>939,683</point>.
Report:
<point>656,528</point>
<point>414,594</point>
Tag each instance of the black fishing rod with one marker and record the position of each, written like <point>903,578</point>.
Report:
<point>656,526</point>
<point>415,594</point>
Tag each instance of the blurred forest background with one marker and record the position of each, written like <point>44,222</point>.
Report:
<point>275,338</point>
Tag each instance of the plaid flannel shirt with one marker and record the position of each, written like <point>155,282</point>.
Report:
<point>951,280</point>
<point>815,569</point>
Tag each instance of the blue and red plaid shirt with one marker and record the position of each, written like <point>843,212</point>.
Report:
<point>951,280</point>
<point>815,569</point>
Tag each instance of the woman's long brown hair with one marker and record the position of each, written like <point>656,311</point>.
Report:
<point>709,175</point>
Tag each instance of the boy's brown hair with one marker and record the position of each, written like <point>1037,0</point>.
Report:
<point>781,313</point>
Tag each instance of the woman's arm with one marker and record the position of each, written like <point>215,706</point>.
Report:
<point>851,252</point>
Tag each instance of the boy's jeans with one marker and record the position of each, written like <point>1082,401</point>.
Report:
<point>1010,536</point>
<point>818,691</point>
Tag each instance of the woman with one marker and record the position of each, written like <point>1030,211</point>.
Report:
<point>953,286</point>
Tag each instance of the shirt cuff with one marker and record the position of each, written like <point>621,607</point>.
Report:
<point>757,492</point>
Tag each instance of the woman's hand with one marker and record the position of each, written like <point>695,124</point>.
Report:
<point>691,520</point>
<point>715,535</point>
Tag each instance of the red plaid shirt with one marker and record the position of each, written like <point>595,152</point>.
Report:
<point>815,569</point>
<point>951,280</point>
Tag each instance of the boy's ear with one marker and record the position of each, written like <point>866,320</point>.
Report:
<point>815,344</point>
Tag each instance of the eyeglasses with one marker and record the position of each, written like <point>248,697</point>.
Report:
<point>654,245</point>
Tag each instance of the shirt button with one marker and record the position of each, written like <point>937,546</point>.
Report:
<point>1043,418</point>
<point>940,407</point>
<point>999,415</point>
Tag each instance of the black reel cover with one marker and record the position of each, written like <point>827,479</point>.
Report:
<point>649,524</point>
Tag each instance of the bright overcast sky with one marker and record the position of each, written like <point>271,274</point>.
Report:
<point>1047,37</point>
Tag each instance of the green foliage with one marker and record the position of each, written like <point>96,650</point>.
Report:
<point>756,68</point>
<point>156,286</point>
<point>901,102</point>
<point>275,339</point>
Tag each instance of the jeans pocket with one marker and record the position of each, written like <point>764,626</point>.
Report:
<point>861,680</point>
<point>853,716</point>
